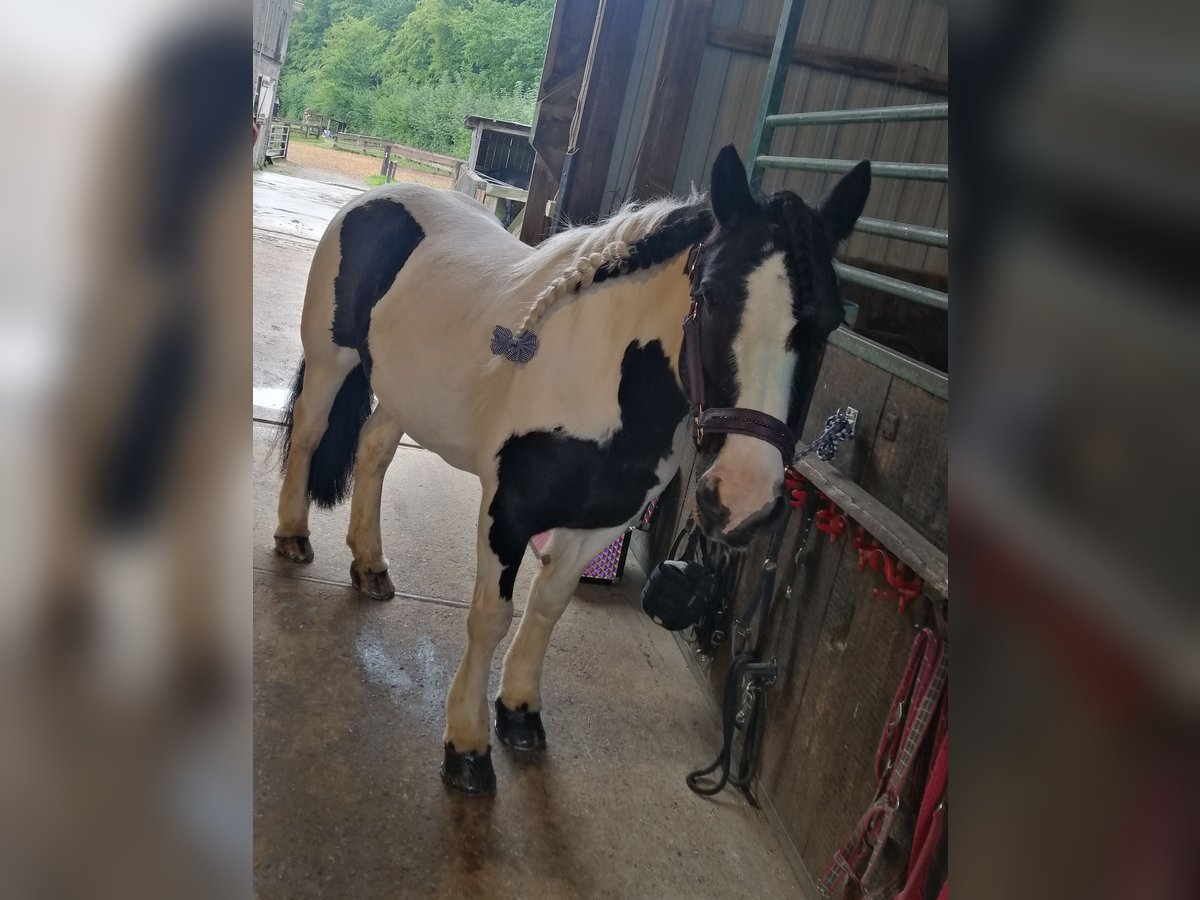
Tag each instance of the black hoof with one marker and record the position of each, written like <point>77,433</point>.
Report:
<point>375,585</point>
<point>519,729</point>
<point>297,549</point>
<point>468,773</point>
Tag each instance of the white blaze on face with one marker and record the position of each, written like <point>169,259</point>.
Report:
<point>748,472</point>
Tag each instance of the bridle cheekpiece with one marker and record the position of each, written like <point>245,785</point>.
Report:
<point>722,420</point>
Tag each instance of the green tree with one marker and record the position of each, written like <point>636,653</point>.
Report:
<point>426,47</point>
<point>411,70</point>
<point>503,44</point>
<point>345,80</point>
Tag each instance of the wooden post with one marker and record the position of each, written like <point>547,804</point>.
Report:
<point>558,93</point>
<point>662,142</point>
<point>602,97</point>
<point>387,158</point>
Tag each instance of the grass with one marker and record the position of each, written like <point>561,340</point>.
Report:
<point>375,180</point>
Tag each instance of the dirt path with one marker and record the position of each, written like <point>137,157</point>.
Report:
<point>346,167</point>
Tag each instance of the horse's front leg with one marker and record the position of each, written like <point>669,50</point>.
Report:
<point>467,767</point>
<point>519,706</point>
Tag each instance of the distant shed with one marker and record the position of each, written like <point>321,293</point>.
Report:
<point>500,150</point>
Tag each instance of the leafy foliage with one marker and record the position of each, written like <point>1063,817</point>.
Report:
<point>431,115</point>
<point>411,70</point>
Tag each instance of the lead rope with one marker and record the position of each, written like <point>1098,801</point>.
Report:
<point>748,711</point>
<point>839,428</point>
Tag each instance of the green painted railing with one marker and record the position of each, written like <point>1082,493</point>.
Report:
<point>923,112</point>
<point>912,171</point>
<point>761,160</point>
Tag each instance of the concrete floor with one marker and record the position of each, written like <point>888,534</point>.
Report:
<point>349,700</point>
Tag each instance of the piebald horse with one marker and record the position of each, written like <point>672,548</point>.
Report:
<point>560,376</point>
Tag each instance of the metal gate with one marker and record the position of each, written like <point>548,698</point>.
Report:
<point>277,140</point>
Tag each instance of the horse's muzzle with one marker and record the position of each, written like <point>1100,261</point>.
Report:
<point>713,517</point>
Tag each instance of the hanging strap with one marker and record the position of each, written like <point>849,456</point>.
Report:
<point>931,822</point>
<point>903,735</point>
<point>745,664</point>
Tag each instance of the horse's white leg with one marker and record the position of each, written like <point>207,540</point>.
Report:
<point>323,378</point>
<point>468,762</point>
<point>377,443</point>
<point>518,708</point>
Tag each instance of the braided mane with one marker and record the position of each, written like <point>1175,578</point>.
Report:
<point>634,238</point>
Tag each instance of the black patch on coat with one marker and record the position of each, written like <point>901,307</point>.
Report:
<point>377,239</point>
<point>548,479</point>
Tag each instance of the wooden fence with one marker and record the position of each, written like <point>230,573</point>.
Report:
<point>363,143</point>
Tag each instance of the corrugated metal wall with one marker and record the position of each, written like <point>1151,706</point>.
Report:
<point>729,90</point>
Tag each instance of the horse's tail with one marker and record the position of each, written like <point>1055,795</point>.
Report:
<point>332,466</point>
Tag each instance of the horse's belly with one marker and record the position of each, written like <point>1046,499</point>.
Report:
<point>454,445</point>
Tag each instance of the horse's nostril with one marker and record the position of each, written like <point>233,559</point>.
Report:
<point>708,505</point>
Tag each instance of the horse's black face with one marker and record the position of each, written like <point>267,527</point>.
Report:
<point>769,301</point>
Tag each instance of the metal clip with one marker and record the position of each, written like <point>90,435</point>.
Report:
<point>743,713</point>
<point>852,415</point>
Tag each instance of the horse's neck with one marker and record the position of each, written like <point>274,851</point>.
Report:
<point>649,305</point>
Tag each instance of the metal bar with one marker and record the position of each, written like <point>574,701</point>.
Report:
<point>921,112</point>
<point>889,360</point>
<point>918,234</point>
<point>893,286</point>
<point>914,171</point>
<point>777,73</point>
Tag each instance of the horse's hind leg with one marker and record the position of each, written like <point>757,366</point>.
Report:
<point>323,378</point>
<point>519,705</point>
<point>376,446</point>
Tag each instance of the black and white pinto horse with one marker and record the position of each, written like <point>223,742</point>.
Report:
<point>406,291</point>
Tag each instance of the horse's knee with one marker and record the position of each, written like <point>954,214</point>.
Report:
<point>489,618</point>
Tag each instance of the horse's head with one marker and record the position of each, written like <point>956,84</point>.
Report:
<point>767,300</point>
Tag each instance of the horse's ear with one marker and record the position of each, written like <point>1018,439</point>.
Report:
<point>732,201</point>
<point>841,209</point>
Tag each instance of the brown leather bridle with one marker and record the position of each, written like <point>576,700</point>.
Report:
<point>723,420</point>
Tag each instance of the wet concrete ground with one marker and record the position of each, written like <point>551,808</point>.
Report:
<point>349,697</point>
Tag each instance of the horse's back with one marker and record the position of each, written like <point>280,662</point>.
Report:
<point>413,278</point>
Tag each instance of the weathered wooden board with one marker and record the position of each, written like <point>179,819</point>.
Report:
<point>603,94</point>
<point>658,159</point>
<point>846,380</point>
<point>859,655</point>
<point>909,474</point>
<point>558,93</point>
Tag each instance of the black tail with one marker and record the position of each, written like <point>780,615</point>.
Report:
<point>332,468</point>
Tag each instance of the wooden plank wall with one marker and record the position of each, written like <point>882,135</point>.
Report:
<point>841,649</point>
